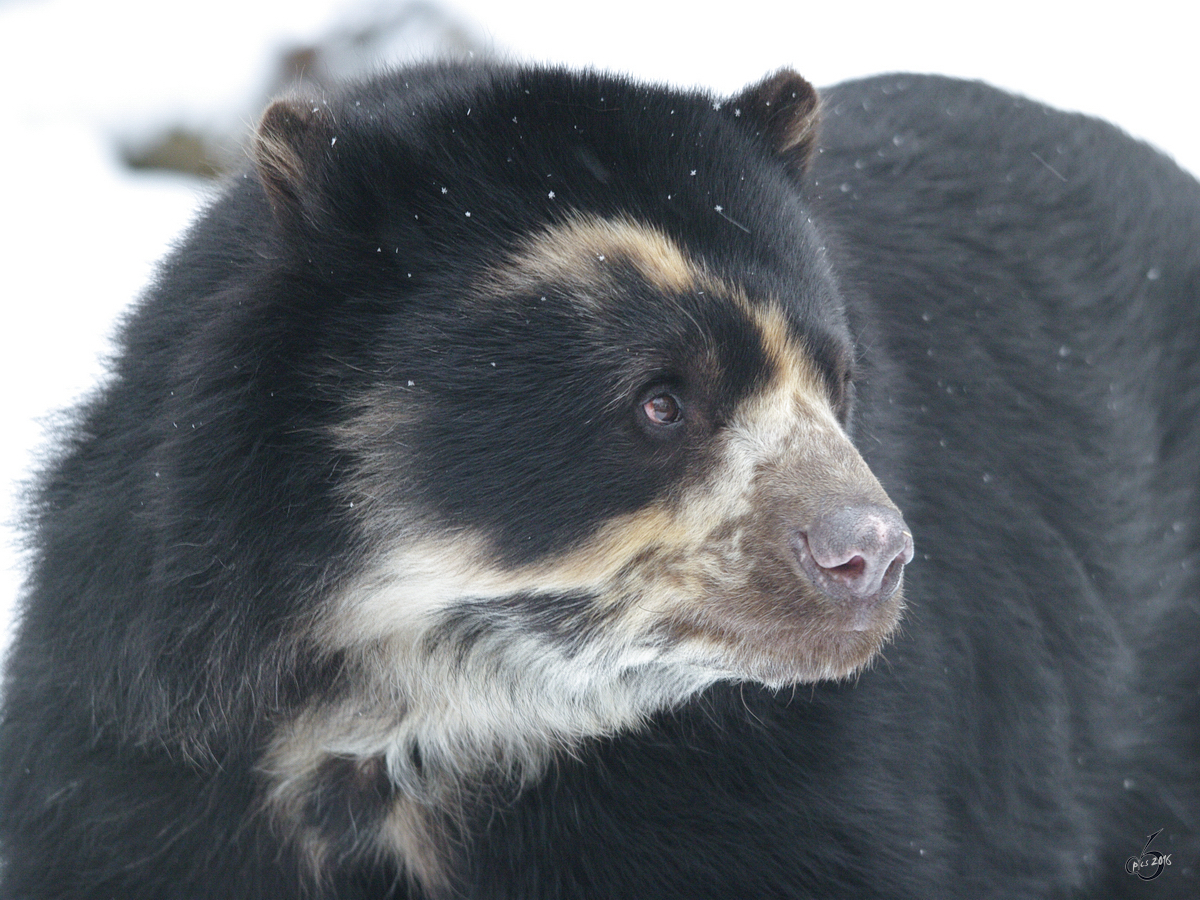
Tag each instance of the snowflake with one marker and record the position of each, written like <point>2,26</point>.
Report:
<point>445,190</point>
<point>718,207</point>
<point>551,195</point>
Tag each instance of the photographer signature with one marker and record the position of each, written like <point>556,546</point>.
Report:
<point>1150,863</point>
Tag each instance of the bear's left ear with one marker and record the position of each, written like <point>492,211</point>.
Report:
<point>784,110</point>
<point>292,139</point>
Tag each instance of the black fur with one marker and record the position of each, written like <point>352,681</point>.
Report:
<point>1015,291</point>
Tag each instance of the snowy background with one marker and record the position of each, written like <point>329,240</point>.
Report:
<point>94,87</point>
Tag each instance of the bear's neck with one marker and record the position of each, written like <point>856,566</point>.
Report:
<point>413,754</point>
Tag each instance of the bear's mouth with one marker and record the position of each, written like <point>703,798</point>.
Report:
<point>791,637</point>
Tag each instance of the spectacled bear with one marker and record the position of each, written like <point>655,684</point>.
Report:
<point>530,484</point>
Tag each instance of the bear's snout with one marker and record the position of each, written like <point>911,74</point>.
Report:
<point>855,554</point>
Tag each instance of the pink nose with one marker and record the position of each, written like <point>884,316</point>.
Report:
<point>856,554</point>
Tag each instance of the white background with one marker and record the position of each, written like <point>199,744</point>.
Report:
<point>79,234</point>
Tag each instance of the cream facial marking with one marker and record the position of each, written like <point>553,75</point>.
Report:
<point>577,251</point>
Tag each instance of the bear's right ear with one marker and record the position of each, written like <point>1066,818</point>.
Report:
<point>783,110</point>
<point>290,138</point>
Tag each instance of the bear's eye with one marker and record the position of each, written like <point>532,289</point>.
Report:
<point>663,409</point>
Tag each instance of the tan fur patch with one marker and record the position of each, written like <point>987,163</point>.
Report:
<point>417,834</point>
<point>796,376</point>
<point>577,251</point>
<point>413,829</point>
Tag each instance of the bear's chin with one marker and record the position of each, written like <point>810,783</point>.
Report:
<point>784,652</point>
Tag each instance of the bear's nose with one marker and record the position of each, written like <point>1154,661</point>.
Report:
<point>856,554</point>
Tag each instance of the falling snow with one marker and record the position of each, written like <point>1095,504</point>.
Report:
<point>720,211</point>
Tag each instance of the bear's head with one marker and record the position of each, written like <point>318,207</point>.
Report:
<point>595,387</point>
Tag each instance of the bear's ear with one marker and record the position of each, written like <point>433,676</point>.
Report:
<point>286,147</point>
<point>784,110</point>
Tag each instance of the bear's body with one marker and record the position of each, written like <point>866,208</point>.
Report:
<point>473,514</point>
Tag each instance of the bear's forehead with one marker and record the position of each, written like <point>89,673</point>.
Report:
<point>511,152</point>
